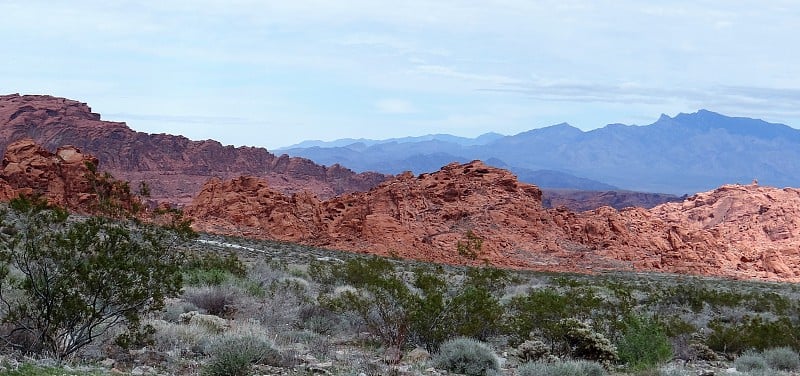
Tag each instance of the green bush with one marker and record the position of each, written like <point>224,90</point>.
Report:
<point>567,368</point>
<point>212,269</point>
<point>235,356</point>
<point>66,282</point>
<point>467,356</point>
<point>752,333</point>
<point>541,311</point>
<point>782,358</point>
<point>750,361</point>
<point>643,344</point>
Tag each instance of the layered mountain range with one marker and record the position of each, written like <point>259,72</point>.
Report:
<point>464,213</point>
<point>174,167</point>
<point>679,155</point>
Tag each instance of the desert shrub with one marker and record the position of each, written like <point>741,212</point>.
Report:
<point>214,263</point>
<point>585,343</point>
<point>467,356</point>
<point>213,269</point>
<point>541,311</point>
<point>245,344</point>
<point>750,361</point>
<point>643,343</point>
<point>318,319</point>
<point>173,310</point>
<point>66,282</point>
<point>235,356</point>
<point>472,309</point>
<point>215,300</point>
<point>281,302</point>
<point>782,358</point>
<point>380,300</point>
<point>193,337</point>
<point>532,351</point>
<point>566,368</point>
<point>752,333</point>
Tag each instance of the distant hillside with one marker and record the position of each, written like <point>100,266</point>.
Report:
<point>683,154</point>
<point>174,167</point>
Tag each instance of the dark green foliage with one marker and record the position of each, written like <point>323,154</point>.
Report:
<point>471,246</point>
<point>65,282</point>
<point>212,269</point>
<point>643,344</point>
<point>382,301</point>
<point>541,312</point>
<point>466,356</point>
<point>424,309</point>
<point>752,333</point>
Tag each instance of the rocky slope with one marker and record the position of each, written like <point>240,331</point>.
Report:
<point>174,167</point>
<point>447,215</point>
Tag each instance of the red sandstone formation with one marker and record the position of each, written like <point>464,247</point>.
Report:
<point>434,216</point>
<point>63,177</point>
<point>174,167</point>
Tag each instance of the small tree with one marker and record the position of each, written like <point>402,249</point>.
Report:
<point>64,281</point>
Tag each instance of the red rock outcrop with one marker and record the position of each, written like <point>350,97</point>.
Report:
<point>735,231</point>
<point>63,177</point>
<point>174,167</point>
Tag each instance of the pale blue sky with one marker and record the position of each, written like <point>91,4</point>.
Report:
<point>273,73</point>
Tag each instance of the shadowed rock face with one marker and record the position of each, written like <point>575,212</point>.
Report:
<point>735,231</point>
<point>174,167</point>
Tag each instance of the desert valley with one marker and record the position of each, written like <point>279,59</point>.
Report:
<point>288,244</point>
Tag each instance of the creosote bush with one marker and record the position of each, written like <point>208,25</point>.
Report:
<point>66,281</point>
<point>467,356</point>
<point>643,344</point>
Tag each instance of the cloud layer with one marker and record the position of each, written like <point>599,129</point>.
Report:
<point>288,71</point>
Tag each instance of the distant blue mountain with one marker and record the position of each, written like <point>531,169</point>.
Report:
<point>682,154</point>
<point>347,142</point>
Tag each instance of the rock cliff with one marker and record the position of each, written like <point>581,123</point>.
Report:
<point>473,213</point>
<point>174,167</point>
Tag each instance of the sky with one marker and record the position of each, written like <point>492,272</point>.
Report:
<point>274,73</point>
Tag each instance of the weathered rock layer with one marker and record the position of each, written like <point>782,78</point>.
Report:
<point>473,208</point>
<point>174,167</point>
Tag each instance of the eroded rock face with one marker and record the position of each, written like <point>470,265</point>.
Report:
<point>174,167</point>
<point>60,177</point>
<point>735,231</point>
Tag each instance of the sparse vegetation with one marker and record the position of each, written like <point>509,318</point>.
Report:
<point>345,313</point>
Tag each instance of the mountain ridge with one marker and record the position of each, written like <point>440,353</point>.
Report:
<point>680,155</point>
